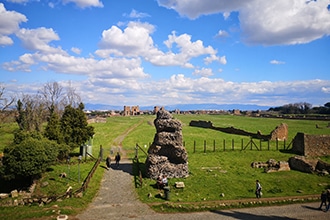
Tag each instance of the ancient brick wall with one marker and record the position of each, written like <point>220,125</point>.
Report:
<point>202,124</point>
<point>311,145</point>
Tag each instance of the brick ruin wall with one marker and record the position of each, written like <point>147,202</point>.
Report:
<point>311,145</point>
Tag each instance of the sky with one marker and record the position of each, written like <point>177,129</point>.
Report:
<point>167,52</point>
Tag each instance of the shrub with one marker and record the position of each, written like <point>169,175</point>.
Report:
<point>29,158</point>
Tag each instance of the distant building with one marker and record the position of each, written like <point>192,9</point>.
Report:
<point>131,110</point>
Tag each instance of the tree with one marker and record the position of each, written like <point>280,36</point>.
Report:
<point>5,103</point>
<point>31,113</point>
<point>29,158</point>
<point>74,126</point>
<point>72,98</point>
<point>53,128</point>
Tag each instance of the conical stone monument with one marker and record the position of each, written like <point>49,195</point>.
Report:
<point>167,155</point>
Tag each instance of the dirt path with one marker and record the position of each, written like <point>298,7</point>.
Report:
<point>118,141</point>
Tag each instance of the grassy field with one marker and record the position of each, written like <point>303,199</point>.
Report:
<point>211,174</point>
<point>228,172</point>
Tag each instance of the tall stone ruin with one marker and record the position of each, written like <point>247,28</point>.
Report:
<point>167,155</point>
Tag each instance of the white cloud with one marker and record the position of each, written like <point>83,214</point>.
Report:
<point>213,58</point>
<point>205,72</point>
<point>325,89</point>
<point>280,22</point>
<point>85,3</point>
<point>222,33</point>
<point>135,14</point>
<point>276,62</point>
<point>9,24</point>
<point>284,22</point>
<point>195,8</point>
<point>39,39</point>
<point>76,50</point>
<point>136,41</point>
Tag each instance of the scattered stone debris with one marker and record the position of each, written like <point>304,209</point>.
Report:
<point>299,163</point>
<point>272,165</point>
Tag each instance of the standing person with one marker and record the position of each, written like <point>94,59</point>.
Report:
<point>117,158</point>
<point>160,182</point>
<point>164,180</point>
<point>323,199</point>
<point>328,198</point>
<point>258,189</point>
<point>108,162</point>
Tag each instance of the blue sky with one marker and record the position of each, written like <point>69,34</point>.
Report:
<point>166,52</point>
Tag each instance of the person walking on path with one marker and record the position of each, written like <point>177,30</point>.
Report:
<point>108,162</point>
<point>117,159</point>
<point>258,189</point>
<point>323,199</point>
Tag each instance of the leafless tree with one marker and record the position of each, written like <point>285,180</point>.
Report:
<point>5,103</point>
<point>72,98</point>
<point>52,94</point>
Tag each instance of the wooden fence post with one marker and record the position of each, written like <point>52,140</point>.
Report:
<point>276,144</point>
<point>204,146</point>
<point>194,146</point>
<point>213,145</point>
<point>232,144</point>
<point>242,144</point>
<point>224,144</point>
<point>260,145</point>
<point>268,144</point>
<point>101,152</point>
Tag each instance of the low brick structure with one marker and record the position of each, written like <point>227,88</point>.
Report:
<point>280,132</point>
<point>311,145</point>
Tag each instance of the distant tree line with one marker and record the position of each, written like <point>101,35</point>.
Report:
<point>302,108</point>
<point>51,124</point>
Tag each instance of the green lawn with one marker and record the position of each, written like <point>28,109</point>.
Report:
<point>211,173</point>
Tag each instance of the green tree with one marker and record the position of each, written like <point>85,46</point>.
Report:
<point>53,128</point>
<point>74,126</point>
<point>29,159</point>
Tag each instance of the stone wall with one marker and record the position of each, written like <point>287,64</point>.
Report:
<point>311,145</point>
<point>201,124</point>
<point>280,133</point>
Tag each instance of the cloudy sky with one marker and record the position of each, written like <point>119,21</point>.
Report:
<point>163,52</point>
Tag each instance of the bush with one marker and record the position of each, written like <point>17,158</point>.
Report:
<point>29,158</point>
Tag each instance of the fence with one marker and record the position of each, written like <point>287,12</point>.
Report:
<point>250,145</point>
<point>137,168</point>
<point>88,178</point>
<point>224,145</point>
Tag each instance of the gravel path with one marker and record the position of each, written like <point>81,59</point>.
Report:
<point>117,199</point>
